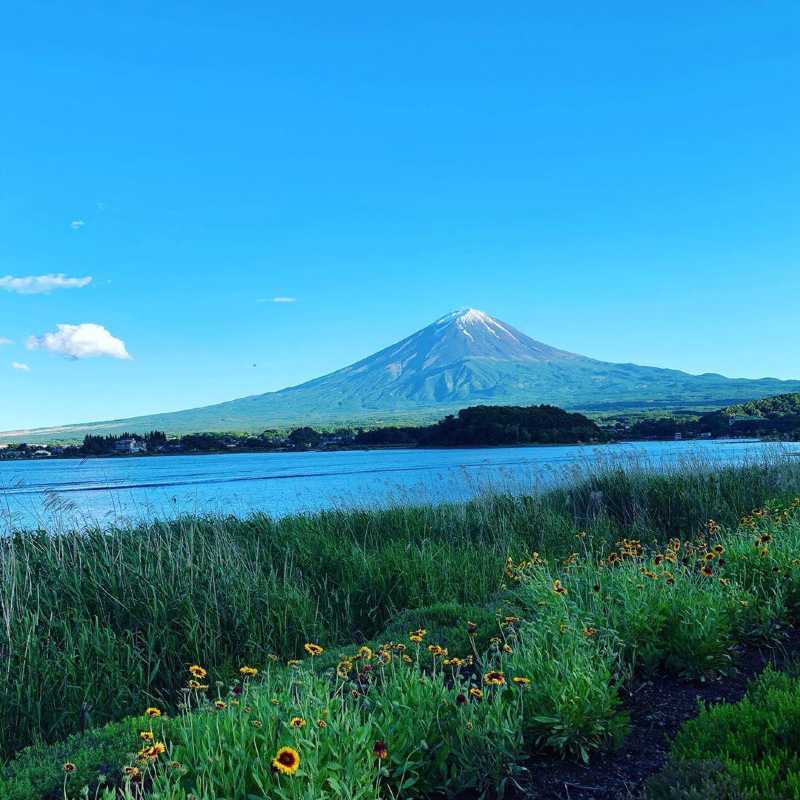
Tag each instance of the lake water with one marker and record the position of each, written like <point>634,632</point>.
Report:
<point>67,493</point>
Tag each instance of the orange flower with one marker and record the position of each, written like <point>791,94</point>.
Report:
<point>381,750</point>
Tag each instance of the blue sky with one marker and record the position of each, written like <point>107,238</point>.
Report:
<point>621,180</point>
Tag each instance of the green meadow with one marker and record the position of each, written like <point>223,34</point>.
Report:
<point>405,652</point>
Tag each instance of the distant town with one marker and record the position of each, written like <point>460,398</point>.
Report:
<point>775,418</point>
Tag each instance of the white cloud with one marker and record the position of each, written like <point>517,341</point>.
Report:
<point>21,367</point>
<point>42,284</point>
<point>279,300</point>
<point>77,224</point>
<point>4,341</point>
<point>87,340</point>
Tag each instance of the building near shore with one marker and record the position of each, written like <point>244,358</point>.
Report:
<point>129,446</point>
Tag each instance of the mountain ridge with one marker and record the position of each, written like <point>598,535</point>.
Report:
<point>466,357</point>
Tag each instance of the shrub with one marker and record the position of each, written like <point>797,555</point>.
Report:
<point>571,704</point>
<point>98,755</point>
<point>229,752</point>
<point>693,780</point>
<point>757,740</point>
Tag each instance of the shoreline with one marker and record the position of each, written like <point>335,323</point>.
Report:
<point>387,447</point>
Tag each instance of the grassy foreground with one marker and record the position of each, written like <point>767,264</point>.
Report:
<point>631,577</point>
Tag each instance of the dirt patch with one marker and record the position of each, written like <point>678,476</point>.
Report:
<point>657,708</point>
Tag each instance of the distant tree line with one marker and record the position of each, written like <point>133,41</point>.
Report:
<point>773,417</point>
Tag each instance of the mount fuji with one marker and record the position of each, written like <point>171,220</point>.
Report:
<point>464,358</point>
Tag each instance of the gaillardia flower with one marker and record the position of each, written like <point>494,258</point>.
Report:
<point>286,761</point>
<point>380,749</point>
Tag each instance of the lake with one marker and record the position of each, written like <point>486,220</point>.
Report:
<point>66,493</point>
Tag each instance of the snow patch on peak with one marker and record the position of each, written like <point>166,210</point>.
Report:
<point>464,315</point>
<point>468,317</point>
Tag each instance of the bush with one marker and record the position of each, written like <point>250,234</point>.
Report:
<point>571,704</point>
<point>446,624</point>
<point>757,741</point>
<point>693,780</point>
<point>99,756</point>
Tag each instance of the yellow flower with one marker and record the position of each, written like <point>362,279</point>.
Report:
<point>69,767</point>
<point>286,761</point>
<point>343,668</point>
<point>313,649</point>
<point>153,752</point>
<point>198,671</point>
<point>293,662</point>
<point>365,653</point>
<point>297,722</point>
<point>197,686</point>
<point>219,704</point>
<point>521,680</point>
<point>152,712</point>
<point>558,588</point>
<point>494,678</point>
<point>476,693</point>
<point>146,736</point>
<point>250,672</point>
<point>321,723</point>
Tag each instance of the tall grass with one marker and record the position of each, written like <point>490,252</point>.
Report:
<point>103,622</point>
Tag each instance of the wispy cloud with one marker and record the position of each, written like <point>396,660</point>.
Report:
<point>77,224</point>
<point>278,300</point>
<point>87,340</point>
<point>42,284</point>
<point>4,341</point>
<point>20,366</point>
